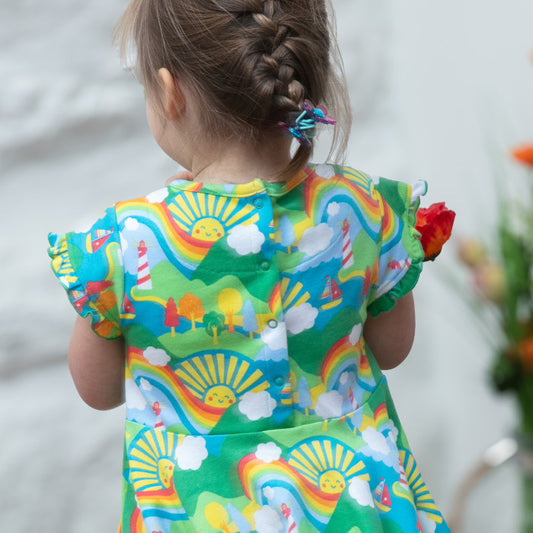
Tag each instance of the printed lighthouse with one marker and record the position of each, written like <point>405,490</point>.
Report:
<point>291,523</point>
<point>144,279</point>
<point>347,253</point>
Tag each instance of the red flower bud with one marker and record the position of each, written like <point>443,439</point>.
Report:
<point>435,226</point>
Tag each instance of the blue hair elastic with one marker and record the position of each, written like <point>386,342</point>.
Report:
<point>302,124</point>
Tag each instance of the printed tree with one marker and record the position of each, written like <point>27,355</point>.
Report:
<point>249,318</point>
<point>230,303</point>
<point>172,317</point>
<point>241,523</point>
<point>214,325</point>
<point>191,308</point>
<point>287,233</point>
<point>105,302</point>
<point>218,518</point>
<point>304,394</point>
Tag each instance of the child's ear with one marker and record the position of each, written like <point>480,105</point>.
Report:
<point>173,98</point>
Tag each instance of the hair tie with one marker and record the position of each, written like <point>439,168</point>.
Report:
<point>302,124</point>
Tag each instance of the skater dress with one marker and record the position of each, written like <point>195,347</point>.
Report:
<point>253,403</point>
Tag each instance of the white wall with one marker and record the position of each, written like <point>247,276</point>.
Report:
<point>440,90</point>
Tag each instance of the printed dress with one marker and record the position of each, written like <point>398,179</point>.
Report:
<point>253,403</point>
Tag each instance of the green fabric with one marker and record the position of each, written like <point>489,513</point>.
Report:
<point>253,402</point>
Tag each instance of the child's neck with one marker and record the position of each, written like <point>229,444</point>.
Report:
<point>238,162</point>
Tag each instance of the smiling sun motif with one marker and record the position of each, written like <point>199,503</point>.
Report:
<point>219,379</point>
<point>331,482</point>
<point>327,463</point>
<point>207,217</point>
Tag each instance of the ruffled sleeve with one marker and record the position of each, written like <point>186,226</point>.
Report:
<point>89,267</point>
<point>400,251</point>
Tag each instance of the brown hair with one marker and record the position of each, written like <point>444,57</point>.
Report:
<point>250,62</point>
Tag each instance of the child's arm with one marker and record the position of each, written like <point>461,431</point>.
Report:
<point>96,366</point>
<point>390,335</point>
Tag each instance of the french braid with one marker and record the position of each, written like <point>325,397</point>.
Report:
<point>251,62</point>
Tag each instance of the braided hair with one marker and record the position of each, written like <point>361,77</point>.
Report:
<point>250,62</point>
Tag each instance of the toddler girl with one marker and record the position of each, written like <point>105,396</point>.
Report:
<point>245,312</point>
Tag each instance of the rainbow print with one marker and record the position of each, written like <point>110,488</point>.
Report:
<point>275,300</point>
<point>316,472</point>
<point>381,417</point>
<point>255,476</point>
<point>201,387</point>
<point>194,414</point>
<point>136,522</point>
<point>175,241</point>
<point>358,193</point>
<point>343,357</point>
<point>151,471</point>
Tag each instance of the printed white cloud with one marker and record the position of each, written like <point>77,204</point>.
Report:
<point>134,397</point>
<point>131,224</point>
<point>246,239</point>
<point>268,492</point>
<point>268,452</point>
<point>393,435</point>
<point>329,405</point>
<point>266,354</point>
<point>333,209</point>
<point>428,525</point>
<point>315,239</point>
<point>156,356</point>
<point>347,377</point>
<point>355,334</point>
<point>359,490</point>
<point>376,441</point>
<point>157,197</point>
<point>267,520</point>
<point>325,171</point>
<point>191,452</point>
<point>275,337</point>
<point>145,385</point>
<point>256,405</point>
<point>300,318</point>
<point>380,447</point>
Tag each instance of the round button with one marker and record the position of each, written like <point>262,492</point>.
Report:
<point>279,381</point>
<point>265,265</point>
<point>258,202</point>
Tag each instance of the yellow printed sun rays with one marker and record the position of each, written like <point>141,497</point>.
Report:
<point>326,463</point>
<point>207,217</point>
<point>219,379</point>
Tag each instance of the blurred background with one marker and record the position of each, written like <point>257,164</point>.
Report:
<point>440,90</point>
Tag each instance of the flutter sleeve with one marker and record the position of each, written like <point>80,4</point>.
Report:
<point>89,266</point>
<point>400,252</point>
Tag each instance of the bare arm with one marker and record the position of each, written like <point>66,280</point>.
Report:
<point>390,335</point>
<point>96,366</point>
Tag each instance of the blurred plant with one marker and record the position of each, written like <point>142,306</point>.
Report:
<point>502,281</point>
<point>502,290</point>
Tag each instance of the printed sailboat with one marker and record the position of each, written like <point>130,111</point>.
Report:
<point>382,497</point>
<point>96,241</point>
<point>331,295</point>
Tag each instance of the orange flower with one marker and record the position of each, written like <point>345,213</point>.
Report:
<point>525,352</point>
<point>524,154</point>
<point>435,226</point>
